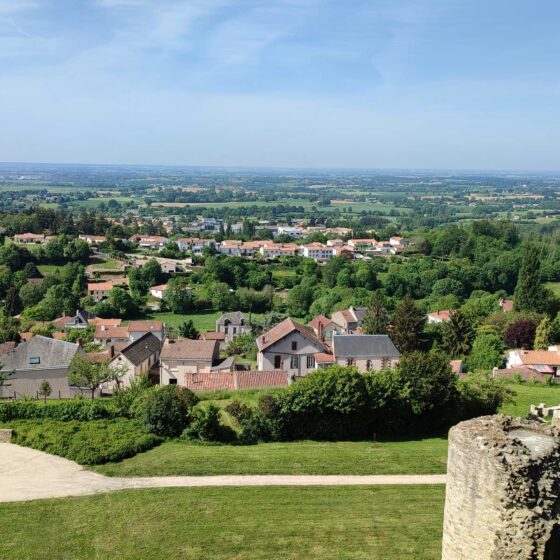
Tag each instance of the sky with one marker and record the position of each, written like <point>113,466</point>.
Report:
<point>436,84</point>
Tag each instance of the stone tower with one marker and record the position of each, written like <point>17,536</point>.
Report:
<point>503,491</point>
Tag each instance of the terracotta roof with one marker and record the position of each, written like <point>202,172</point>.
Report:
<point>105,322</point>
<point>59,335</point>
<point>160,287</point>
<point>283,329</point>
<point>186,349</point>
<point>324,358</point>
<point>103,332</point>
<point>25,336</point>
<point>212,335</point>
<point>100,286</point>
<point>456,366</point>
<point>60,323</point>
<point>318,321</point>
<point>140,326</point>
<point>539,357</point>
<point>235,380</point>
<point>506,305</point>
<point>443,314</point>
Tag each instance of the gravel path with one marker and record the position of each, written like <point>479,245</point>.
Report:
<point>28,474</point>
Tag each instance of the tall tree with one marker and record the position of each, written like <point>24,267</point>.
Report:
<point>529,294</point>
<point>84,373</point>
<point>408,326</point>
<point>458,334</point>
<point>376,319</point>
<point>544,335</point>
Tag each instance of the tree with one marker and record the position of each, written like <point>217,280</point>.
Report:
<point>376,319</point>
<point>188,330</point>
<point>429,384</point>
<point>408,326</point>
<point>45,389</point>
<point>457,334</point>
<point>487,351</point>
<point>178,296</point>
<point>84,373</point>
<point>544,335</point>
<point>529,294</point>
<point>520,333</point>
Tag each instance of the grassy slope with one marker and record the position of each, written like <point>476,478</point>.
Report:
<point>529,393</point>
<point>304,457</point>
<point>223,523</point>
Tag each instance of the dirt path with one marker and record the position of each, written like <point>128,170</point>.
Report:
<point>27,474</point>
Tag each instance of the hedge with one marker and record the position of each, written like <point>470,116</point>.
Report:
<point>87,443</point>
<point>76,409</point>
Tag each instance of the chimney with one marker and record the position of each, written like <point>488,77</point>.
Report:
<point>80,343</point>
<point>112,351</point>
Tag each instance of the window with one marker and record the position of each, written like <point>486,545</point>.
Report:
<point>385,363</point>
<point>294,362</point>
<point>310,362</point>
<point>294,345</point>
<point>234,330</point>
<point>368,365</point>
<point>34,360</point>
<point>226,330</point>
<point>277,362</point>
<point>350,361</point>
<point>172,381</point>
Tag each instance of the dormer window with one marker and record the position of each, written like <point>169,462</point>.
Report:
<point>34,360</point>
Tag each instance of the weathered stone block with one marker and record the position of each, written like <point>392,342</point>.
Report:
<point>5,435</point>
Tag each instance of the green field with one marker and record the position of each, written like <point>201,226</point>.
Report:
<point>101,264</point>
<point>322,523</point>
<point>48,268</point>
<point>554,286</point>
<point>531,393</point>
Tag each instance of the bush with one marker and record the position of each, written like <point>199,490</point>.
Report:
<point>205,426</point>
<point>257,427</point>
<point>88,443</point>
<point>481,394</point>
<point>166,410</point>
<point>76,409</point>
<point>125,398</point>
<point>238,410</point>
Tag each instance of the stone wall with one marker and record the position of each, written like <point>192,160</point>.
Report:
<point>503,488</point>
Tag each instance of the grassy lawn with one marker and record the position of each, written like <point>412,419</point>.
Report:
<point>203,321</point>
<point>47,268</point>
<point>554,286</point>
<point>531,393</point>
<point>303,457</point>
<point>101,264</point>
<point>350,523</point>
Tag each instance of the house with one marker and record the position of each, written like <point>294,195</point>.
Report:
<point>540,361</point>
<point>274,250</point>
<point>292,231</point>
<point>137,358</point>
<point>324,328</point>
<point>99,290</point>
<point>30,238</point>
<point>232,324</point>
<point>109,334</point>
<point>40,359</point>
<point>81,320</point>
<point>93,239</point>
<point>367,352</point>
<point>137,329</point>
<point>236,380</point>
<point>289,347</point>
<point>185,357</point>
<point>351,319</point>
<point>439,316</point>
<point>219,337</point>
<point>158,292</point>
<point>195,245</point>
<point>229,247</point>
<point>506,304</point>
<point>363,244</point>
<point>317,251</point>
<point>149,241</point>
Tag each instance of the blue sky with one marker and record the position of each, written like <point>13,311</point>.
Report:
<point>466,84</point>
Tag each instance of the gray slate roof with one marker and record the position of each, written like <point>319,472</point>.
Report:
<point>51,353</point>
<point>140,350</point>
<point>364,346</point>
<point>235,317</point>
<point>359,313</point>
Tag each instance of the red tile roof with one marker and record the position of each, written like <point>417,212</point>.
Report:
<point>324,358</point>
<point>283,329</point>
<point>105,322</point>
<point>100,286</point>
<point>103,332</point>
<point>443,314</point>
<point>320,320</point>
<point>235,380</point>
<point>147,326</point>
<point>212,335</point>
<point>186,349</point>
<point>539,357</point>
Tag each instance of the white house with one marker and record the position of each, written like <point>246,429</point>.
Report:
<point>317,251</point>
<point>158,292</point>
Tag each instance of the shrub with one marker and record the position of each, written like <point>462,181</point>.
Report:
<point>238,410</point>
<point>166,410</point>
<point>76,409</point>
<point>125,398</point>
<point>88,443</point>
<point>205,426</point>
<point>257,427</point>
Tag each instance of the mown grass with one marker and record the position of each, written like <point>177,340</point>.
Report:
<point>531,393</point>
<point>288,523</point>
<point>424,456</point>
